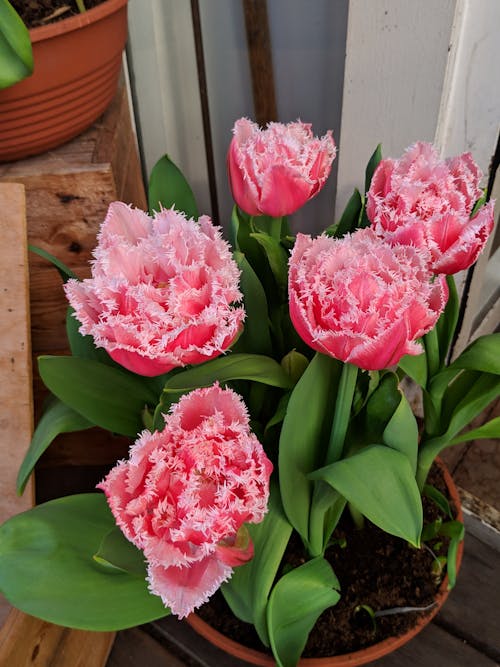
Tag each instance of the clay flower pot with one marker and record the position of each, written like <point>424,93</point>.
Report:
<point>77,64</point>
<point>360,657</point>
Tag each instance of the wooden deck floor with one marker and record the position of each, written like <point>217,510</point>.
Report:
<point>466,633</point>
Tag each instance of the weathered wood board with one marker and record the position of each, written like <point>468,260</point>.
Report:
<point>16,419</point>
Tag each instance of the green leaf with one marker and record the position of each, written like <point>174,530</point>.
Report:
<point>16,56</point>
<point>168,187</point>
<point>57,418</point>
<point>116,552</point>
<point>295,604</point>
<point>106,396</point>
<point>487,431</point>
<point>455,531</point>
<point>47,568</point>
<point>381,406</point>
<point>256,336</point>
<point>483,354</point>
<point>380,483</point>
<point>280,413</point>
<point>415,366</point>
<point>276,256</point>
<point>65,272</point>
<point>401,432</point>
<point>248,589</point>
<point>304,437</point>
<point>373,163</point>
<point>438,498</point>
<point>83,346</point>
<point>350,217</point>
<point>254,367</point>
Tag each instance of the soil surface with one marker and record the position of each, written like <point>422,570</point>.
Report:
<point>374,569</point>
<point>35,13</point>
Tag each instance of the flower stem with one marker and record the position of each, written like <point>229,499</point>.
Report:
<point>342,413</point>
<point>275,228</point>
<point>81,6</point>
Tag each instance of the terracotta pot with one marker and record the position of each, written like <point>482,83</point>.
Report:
<point>360,657</point>
<point>77,65</point>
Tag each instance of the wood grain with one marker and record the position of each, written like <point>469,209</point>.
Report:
<point>16,419</point>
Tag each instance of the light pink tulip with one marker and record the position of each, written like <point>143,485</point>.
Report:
<point>425,201</point>
<point>184,494</point>
<point>361,300</point>
<point>277,170</point>
<point>161,291</point>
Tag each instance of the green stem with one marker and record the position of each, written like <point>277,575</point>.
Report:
<point>357,517</point>
<point>81,6</point>
<point>275,228</point>
<point>342,413</point>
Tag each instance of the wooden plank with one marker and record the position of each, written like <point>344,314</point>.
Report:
<point>28,641</point>
<point>16,421</point>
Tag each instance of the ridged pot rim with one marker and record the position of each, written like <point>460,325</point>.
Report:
<point>361,657</point>
<point>72,23</point>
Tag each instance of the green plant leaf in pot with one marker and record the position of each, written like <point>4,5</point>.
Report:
<point>16,55</point>
<point>48,570</point>
<point>295,604</point>
<point>106,396</point>
<point>168,187</point>
<point>380,483</point>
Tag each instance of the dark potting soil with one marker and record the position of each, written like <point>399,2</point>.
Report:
<point>35,13</point>
<point>374,569</point>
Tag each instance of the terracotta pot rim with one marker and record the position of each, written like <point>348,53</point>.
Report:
<point>92,15</point>
<point>360,657</point>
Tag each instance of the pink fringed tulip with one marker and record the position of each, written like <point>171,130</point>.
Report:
<point>424,201</point>
<point>277,170</point>
<point>184,494</point>
<point>161,291</point>
<point>361,300</point>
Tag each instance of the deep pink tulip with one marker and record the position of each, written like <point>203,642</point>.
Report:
<point>277,170</point>
<point>184,494</point>
<point>361,300</point>
<point>425,201</point>
<point>161,291</point>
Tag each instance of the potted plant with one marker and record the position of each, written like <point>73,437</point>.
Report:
<point>274,448</point>
<point>76,62</point>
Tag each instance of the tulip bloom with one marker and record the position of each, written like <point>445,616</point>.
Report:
<point>277,170</point>
<point>184,494</point>
<point>161,291</point>
<point>361,300</point>
<point>424,201</point>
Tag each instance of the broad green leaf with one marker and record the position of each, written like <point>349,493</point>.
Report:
<point>381,406</point>
<point>295,604</point>
<point>327,506</point>
<point>234,229</point>
<point>168,187</point>
<point>373,163</point>
<point>483,354</point>
<point>350,217</point>
<point>57,418</point>
<point>83,346</point>
<point>401,432</point>
<point>16,56</point>
<point>254,367</point>
<point>280,413</point>
<point>256,337</point>
<point>47,568</point>
<point>276,256</point>
<point>447,322</point>
<point>248,589</point>
<point>380,483</point>
<point>304,437</point>
<point>487,431</point>
<point>106,396</point>
<point>415,366</point>
<point>65,272</point>
<point>116,552</point>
